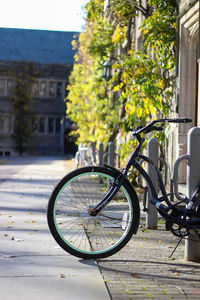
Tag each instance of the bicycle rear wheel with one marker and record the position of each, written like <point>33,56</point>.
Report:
<point>88,236</point>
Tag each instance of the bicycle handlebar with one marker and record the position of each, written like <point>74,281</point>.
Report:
<point>150,127</point>
<point>179,120</point>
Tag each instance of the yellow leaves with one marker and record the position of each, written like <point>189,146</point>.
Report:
<point>118,87</point>
<point>119,34</point>
<point>139,112</point>
<point>145,31</point>
<point>161,83</point>
<point>76,57</point>
<point>176,273</point>
<point>125,77</point>
<point>128,292</point>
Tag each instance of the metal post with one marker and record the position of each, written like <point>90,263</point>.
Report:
<point>192,245</point>
<point>100,153</point>
<point>152,216</point>
<point>111,154</point>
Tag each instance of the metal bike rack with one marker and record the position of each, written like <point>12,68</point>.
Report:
<point>152,153</point>
<point>100,155</point>
<point>110,156</point>
<point>83,153</point>
<point>178,195</point>
<point>153,149</point>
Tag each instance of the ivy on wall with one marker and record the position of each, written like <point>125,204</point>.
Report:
<point>141,86</point>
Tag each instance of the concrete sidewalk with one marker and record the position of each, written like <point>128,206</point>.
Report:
<point>143,270</point>
<point>32,266</point>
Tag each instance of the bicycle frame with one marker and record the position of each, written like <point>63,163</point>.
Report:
<point>163,209</point>
<point>119,181</point>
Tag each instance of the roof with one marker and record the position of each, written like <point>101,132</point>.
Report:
<point>40,46</point>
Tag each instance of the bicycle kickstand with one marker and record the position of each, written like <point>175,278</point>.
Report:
<point>176,247</point>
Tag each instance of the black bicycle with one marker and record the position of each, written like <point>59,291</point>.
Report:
<point>94,211</point>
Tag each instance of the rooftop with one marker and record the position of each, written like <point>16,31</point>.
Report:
<point>40,46</point>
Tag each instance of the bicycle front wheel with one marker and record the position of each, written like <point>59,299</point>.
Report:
<point>81,234</point>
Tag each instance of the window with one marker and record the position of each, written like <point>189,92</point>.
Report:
<point>52,89</point>
<point>34,124</point>
<point>1,123</point>
<point>42,124</point>
<point>58,127</point>
<point>35,89</point>
<point>2,87</point>
<point>51,125</point>
<point>45,124</point>
<point>6,123</point>
<point>43,87</point>
<point>10,87</point>
<point>59,89</point>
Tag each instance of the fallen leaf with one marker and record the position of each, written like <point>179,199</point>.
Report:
<point>176,273</point>
<point>134,275</point>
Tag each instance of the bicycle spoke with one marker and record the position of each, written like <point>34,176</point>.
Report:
<point>84,234</point>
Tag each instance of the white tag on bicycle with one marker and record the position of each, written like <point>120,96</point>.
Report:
<point>125,221</point>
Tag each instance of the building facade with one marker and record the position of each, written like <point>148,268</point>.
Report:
<point>186,101</point>
<point>187,68</point>
<point>48,58</point>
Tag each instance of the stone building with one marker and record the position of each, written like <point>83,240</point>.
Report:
<point>49,57</point>
<point>187,98</point>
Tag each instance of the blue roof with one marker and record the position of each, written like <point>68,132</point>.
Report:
<point>40,46</point>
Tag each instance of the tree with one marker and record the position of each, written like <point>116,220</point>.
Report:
<point>22,108</point>
<point>141,86</point>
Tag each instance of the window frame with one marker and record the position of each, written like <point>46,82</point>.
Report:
<point>3,117</point>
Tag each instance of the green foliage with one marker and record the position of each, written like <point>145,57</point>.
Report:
<point>89,103</point>
<point>122,10</point>
<point>141,87</point>
<point>159,33</point>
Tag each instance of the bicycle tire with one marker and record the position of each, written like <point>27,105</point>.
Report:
<point>86,236</point>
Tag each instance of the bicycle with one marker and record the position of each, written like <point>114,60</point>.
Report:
<point>85,156</point>
<point>94,211</point>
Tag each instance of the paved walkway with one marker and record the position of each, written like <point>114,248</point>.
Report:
<point>32,266</point>
<point>142,269</point>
